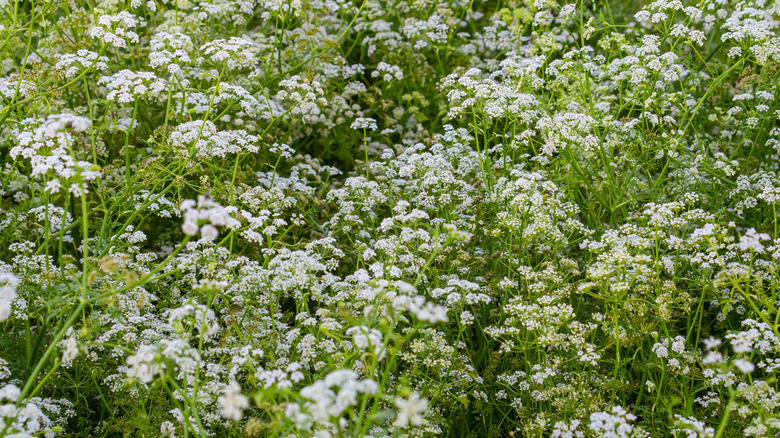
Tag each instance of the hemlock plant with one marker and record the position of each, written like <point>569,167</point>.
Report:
<point>370,218</point>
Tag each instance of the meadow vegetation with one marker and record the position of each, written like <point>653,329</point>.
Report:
<point>389,218</point>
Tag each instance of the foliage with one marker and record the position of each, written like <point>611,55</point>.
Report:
<point>379,219</point>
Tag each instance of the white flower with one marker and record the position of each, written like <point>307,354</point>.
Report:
<point>466,318</point>
<point>143,365</point>
<point>72,64</point>
<point>364,123</point>
<point>693,428</point>
<point>7,293</point>
<point>567,430</point>
<point>126,86</point>
<point>189,227</point>
<point>205,212</point>
<point>388,72</point>
<point>209,142</point>
<point>752,240</point>
<point>54,124</point>
<point>410,410</point>
<point>232,402</point>
<point>5,310</point>
<point>615,424</point>
<point>324,401</point>
<point>365,337</point>
<point>201,317</point>
<point>209,233</point>
<point>425,311</point>
<point>236,52</point>
<point>661,350</point>
<point>744,366</point>
<point>8,284</point>
<point>71,350</point>
<point>707,230</point>
<point>711,342</point>
<point>10,393</point>
<point>567,10</point>
<point>114,30</point>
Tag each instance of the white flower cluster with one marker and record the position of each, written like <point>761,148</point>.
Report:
<point>693,428</point>
<point>388,72</point>
<point>421,308</point>
<point>235,53</point>
<point>364,123</point>
<point>232,402</point>
<point>127,86</point>
<point>613,424</point>
<point>199,316</point>
<point>48,144</point>
<point>117,30</point>
<point>171,51</point>
<point>365,337</point>
<point>151,360</point>
<point>410,410</point>
<point>306,97</point>
<point>31,417</point>
<point>425,33</point>
<point>204,216</point>
<point>567,208</point>
<point>751,240</point>
<point>8,284</point>
<point>471,92</point>
<point>209,142</point>
<point>81,61</point>
<point>329,398</point>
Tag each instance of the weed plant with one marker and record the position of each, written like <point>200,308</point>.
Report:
<point>375,218</point>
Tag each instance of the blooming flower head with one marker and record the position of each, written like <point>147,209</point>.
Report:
<point>752,240</point>
<point>410,410</point>
<point>365,337</point>
<point>232,402</point>
<point>364,123</point>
